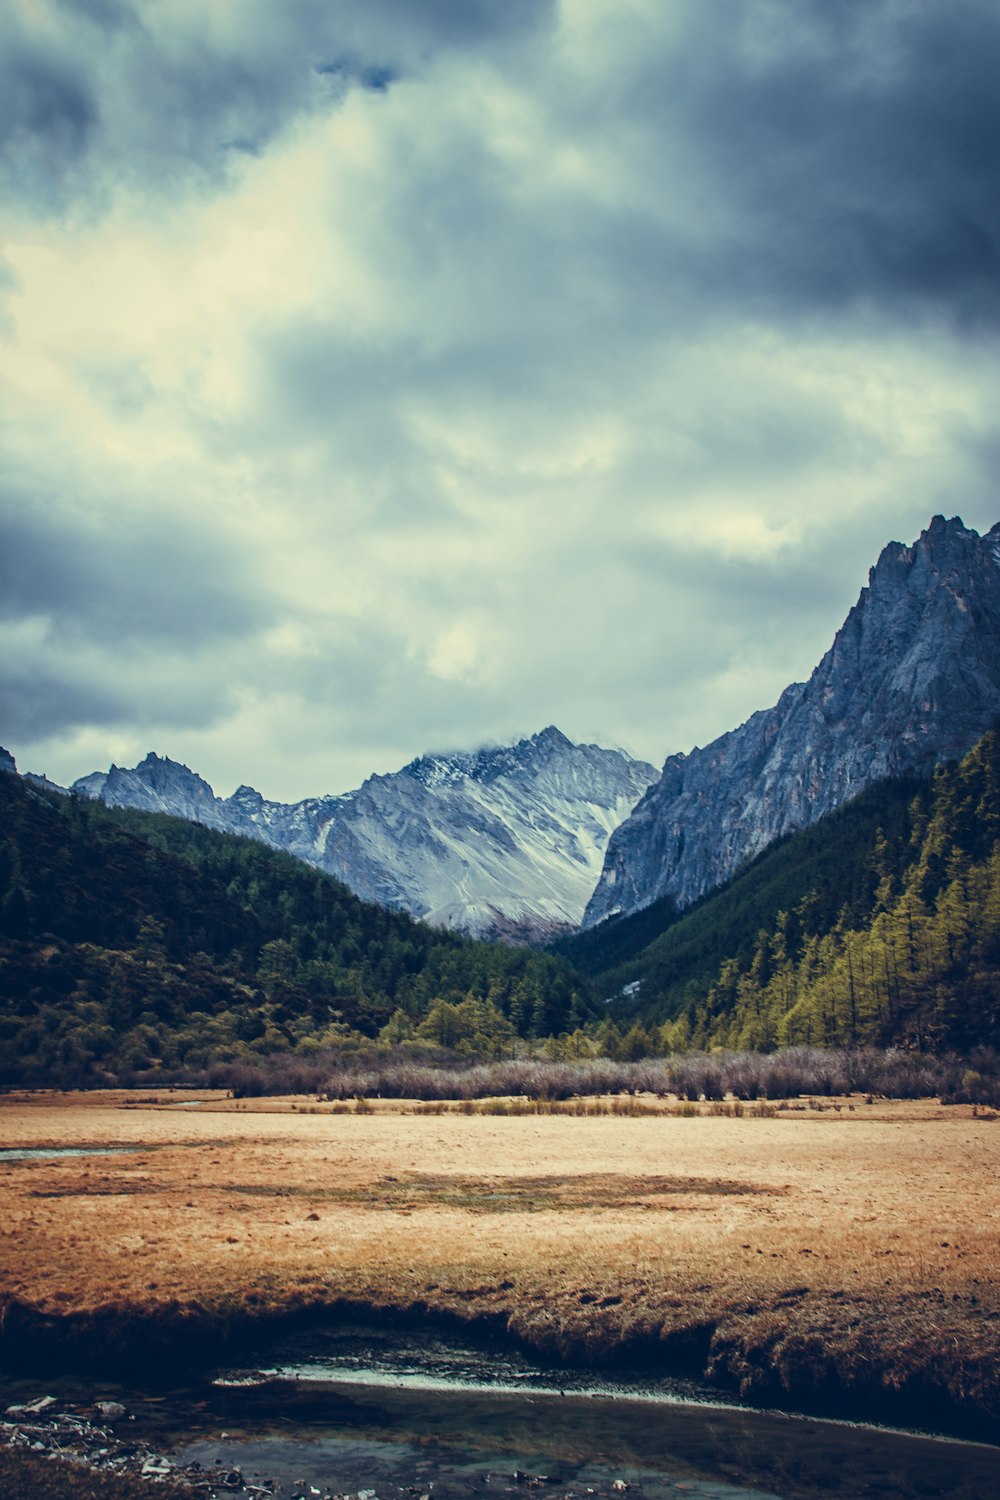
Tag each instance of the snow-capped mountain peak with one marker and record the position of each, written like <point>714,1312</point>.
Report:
<point>506,840</point>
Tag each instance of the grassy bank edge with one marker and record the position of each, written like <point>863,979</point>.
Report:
<point>882,1362</point>
<point>30,1476</point>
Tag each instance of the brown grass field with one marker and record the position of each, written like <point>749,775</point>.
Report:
<point>838,1257</point>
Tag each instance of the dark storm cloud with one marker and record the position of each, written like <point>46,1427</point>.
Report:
<point>849,149</point>
<point>856,145</point>
<point>839,161</point>
<point>572,362</point>
<point>124,580</point>
<point>109,15</point>
<point>107,91</point>
<point>64,691</point>
<point>409,34</point>
<point>36,703</point>
<point>48,115</point>
<point>405,35</point>
<point>120,619</point>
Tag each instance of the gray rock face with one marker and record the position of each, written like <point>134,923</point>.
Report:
<point>156,785</point>
<point>500,842</point>
<point>912,678</point>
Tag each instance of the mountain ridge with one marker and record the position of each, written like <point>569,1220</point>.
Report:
<point>912,678</point>
<point>503,841</point>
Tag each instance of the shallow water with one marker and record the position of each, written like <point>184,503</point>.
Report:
<point>465,1445</point>
<point>354,1407</point>
<point>412,1414</point>
<point>38,1153</point>
<point>360,1351</point>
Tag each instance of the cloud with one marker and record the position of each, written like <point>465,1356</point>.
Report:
<point>378,376</point>
<point>855,144</point>
<point>110,92</point>
<point>134,581</point>
<point>111,621</point>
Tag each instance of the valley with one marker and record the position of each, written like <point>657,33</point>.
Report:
<point>502,842</point>
<point>736,1137</point>
<point>839,1260</point>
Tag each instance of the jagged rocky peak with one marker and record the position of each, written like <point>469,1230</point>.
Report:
<point>9,764</point>
<point>156,784</point>
<point>436,770</point>
<point>91,786</point>
<point>502,841</point>
<point>490,762</point>
<point>246,798</point>
<point>37,778</point>
<point>912,678</point>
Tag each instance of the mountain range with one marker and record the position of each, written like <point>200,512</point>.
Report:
<point>528,841</point>
<point>502,842</point>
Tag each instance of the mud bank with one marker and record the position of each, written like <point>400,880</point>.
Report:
<point>792,1360</point>
<point>842,1265</point>
<point>320,1439</point>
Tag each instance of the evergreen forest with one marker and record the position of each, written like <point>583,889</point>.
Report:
<point>136,947</point>
<point>879,924</point>
<point>133,944</point>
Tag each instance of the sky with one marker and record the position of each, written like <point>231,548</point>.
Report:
<point>381,377</point>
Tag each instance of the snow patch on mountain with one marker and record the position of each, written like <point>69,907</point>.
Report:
<point>506,841</point>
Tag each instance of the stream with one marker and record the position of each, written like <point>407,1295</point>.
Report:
<point>367,1411</point>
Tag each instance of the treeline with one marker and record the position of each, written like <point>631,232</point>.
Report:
<point>879,924</point>
<point>922,964</point>
<point>675,956</point>
<point>135,944</point>
<point>139,948</point>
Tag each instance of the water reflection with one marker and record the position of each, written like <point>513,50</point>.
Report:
<point>39,1153</point>
<point>475,1418</point>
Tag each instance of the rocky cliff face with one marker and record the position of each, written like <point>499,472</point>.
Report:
<point>912,678</point>
<point>157,785</point>
<point>502,842</point>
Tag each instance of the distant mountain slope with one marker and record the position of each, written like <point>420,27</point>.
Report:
<point>919,963</point>
<point>912,678</point>
<point>879,923</point>
<point>501,842</point>
<point>654,962</point>
<point>132,942</point>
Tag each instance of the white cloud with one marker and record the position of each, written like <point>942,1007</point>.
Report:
<point>564,373</point>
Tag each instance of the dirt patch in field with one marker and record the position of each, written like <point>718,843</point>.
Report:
<point>826,1256</point>
<point>594,1193</point>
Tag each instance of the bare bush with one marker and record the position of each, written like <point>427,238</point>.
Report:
<point>713,1077</point>
<point>518,1078</point>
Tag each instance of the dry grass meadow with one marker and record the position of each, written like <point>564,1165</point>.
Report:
<point>850,1248</point>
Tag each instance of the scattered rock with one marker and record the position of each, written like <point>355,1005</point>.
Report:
<point>38,1427</point>
<point>111,1409</point>
<point>35,1408</point>
<point>157,1467</point>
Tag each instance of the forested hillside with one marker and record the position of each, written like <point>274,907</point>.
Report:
<point>136,947</point>
<point>132,942</point>
<point>676,955</point>
<point>922,965</point>
<point>879,923</point>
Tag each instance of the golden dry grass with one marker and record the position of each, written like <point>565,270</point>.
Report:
<point>857,1247</point>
